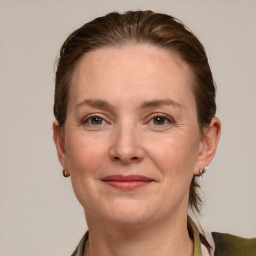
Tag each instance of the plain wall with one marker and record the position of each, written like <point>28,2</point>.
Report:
<point>39,215</point>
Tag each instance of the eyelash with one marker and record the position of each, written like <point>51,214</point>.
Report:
<point>88,119</point>
<point>167,119</point>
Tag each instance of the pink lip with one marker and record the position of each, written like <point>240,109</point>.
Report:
<point>127,182</point>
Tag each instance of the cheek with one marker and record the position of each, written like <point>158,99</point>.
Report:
<point>176,154</point>
<point>84,153</point>
<point>85,157</point>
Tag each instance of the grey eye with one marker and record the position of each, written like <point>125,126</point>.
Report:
<point>95,120</point>
<point>159,120</point>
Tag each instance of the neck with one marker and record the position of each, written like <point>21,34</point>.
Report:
<point>165,238</point>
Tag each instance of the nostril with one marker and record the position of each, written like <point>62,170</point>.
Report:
<point>132,159</point>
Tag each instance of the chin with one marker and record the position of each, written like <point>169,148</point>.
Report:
<point>129,214</point>
<point>129,221</point>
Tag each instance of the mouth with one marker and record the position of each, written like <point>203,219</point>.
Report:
<point>127,182</point>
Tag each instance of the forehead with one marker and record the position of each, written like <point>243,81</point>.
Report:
<point>129,70</point>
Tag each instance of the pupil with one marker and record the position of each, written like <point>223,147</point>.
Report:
<point>96,121</point>
<point>159,120</point>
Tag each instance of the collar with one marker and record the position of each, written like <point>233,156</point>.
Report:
<point>194,233</point>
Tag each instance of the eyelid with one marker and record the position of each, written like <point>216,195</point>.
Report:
<point>87,117</point>
<point>170,120</point>
<point>167,117</point>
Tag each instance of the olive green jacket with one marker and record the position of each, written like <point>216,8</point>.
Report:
<point>230,245</point>
<point>225,244</point>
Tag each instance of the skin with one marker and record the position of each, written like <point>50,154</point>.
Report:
<point>131,111</point>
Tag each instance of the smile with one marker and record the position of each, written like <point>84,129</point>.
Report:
<point>127,182</point>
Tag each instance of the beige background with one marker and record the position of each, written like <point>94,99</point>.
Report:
<point>39,214</point>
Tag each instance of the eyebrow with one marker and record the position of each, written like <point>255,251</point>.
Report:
<point>160,102</point>
<point>97,103</point>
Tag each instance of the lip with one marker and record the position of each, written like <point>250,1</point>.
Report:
<point>127,182</point>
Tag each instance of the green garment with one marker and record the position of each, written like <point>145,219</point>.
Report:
<point>230,245</point>
<point>80,248</point>
<point>225,244</point>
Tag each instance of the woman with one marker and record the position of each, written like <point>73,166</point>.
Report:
<point>135,126</point>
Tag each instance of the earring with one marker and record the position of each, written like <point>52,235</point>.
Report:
<point>201,172</point>
<point>65,173</point>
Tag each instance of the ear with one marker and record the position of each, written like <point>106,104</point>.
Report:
<point>59,143</point>
<point>208,145</point>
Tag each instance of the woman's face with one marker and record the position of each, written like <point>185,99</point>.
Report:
<point>131,142</point>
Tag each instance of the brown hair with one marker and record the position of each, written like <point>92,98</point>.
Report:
<point>144,27</point>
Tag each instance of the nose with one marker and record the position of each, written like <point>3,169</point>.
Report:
<point>126,147</point>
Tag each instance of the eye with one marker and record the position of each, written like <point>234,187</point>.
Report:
<point>94,120</point>
<point>161,120</point>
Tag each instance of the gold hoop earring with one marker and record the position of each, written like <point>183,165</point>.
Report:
<point>201,172</point>
<point>65,173</point>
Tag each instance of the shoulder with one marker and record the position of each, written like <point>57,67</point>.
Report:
<point>231,245</point>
